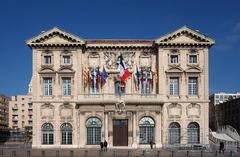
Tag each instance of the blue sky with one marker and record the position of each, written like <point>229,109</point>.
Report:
<point>123,19</point>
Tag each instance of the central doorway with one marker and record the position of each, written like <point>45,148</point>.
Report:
<point>120,132</point>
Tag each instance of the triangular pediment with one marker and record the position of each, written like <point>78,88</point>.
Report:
<point>185,35</point>
<point>174,70</point>
<point>46,70</point>
<point>65,69</point>
<point>55,36</point>
<point>193,70</point>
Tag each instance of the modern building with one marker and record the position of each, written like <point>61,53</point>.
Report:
<point>79,97</point>
<point>229,113</point>
<point>216,100</point>
<point>4,130</point>
<point>20,112</point>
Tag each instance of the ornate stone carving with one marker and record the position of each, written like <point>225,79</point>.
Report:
<point>66,111</point>
<point>193,110</point>
<point>111,59</point>
<point>47,111</point>
<point>174,110</point>
<point>93,59</point>
<point>120,106</point>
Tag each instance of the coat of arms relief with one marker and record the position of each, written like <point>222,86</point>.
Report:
<point>111,59</point>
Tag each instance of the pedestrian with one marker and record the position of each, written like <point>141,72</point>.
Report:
<point>101,146</point>
<point>105,144</point>
<point>221,147</point>
<point>151,144</point>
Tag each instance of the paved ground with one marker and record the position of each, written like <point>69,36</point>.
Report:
<point>110,153</point>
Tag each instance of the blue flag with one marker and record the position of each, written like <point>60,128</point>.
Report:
<point>104,76</point>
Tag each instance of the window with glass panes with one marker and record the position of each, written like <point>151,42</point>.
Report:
<point>192,86</point>
<point>174,59</point>
<point>93,126</point>
<point>47,59</point>
<point>174,86</point>
<point>192,59</point>
<point>47,82</point>
<point>66,130</point>
<point>146,127</point>
<point>193,133</point>
<point>66,86</point>
<point>174,133</point>
<point>47,133</point>
<point>66,60</point>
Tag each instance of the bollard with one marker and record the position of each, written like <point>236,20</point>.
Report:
<point>14,153</point>
<point>86,153</point>
<point>1,152</point>
<point>28,153</point>
<point>43,153</point>
<point>187,153</point>
<point>216,153</point>
<point>57,153</point>
<point>231,153</point>
<point>129,153</point>
<point>100,152</point>
<point>201,153</point>
<point>172,152</point>
<point>143,153</point>
<point>114,153</point>
<point>71,153</point>
<point>158,153</point>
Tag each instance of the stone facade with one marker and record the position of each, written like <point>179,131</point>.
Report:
<point>170,92</point>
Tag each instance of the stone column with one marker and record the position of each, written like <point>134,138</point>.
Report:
<point>106,126</point>
<point>134,130</point>
<point>158,130</point>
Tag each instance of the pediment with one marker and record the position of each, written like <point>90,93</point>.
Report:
<point>185,35</point>
<point>47,70</point>
<point>193,70</point>
<point>55,36</point>
<point>65,69</point>
<point>174,70</point>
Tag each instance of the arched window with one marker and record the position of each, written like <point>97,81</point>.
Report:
<point>193,133</point>
<point>66,130</point>
<point>93,125</point>
<point>174,133</point>
<point>47,133</point>
<point>146,127</point>
<point>119,87</point>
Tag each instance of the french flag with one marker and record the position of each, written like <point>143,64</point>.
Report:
<point>123,70</point>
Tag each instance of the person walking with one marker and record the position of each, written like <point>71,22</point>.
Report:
<point>101,146</point>
<point>105,144</point>
<point>221,147</point>
<point>151,144</point>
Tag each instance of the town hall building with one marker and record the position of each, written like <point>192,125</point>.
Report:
<point>80,98</point>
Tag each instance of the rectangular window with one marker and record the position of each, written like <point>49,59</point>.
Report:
<point>66,60</point>
<point>66,86</point>
<point>47,60</point>
<point>47,86</point>
<point>192,59</point>
<point>174,59</point>
<point>174,86</point>
<point>192,86</point>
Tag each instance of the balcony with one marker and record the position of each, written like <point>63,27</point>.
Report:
<point>15,113</point>
<point>113,98</point>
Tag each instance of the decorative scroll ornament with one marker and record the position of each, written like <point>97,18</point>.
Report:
<point>120,106</point>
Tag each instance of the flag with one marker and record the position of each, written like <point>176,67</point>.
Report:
<point>137,75</point>
<point>98,76</point>
<point>85,76</point>
<point>123,70</point>
<point>104,76</point>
